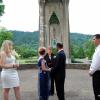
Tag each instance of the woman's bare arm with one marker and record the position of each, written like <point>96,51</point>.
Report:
<point>44,66</point>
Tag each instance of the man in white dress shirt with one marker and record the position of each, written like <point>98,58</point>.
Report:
<point>95,67</point>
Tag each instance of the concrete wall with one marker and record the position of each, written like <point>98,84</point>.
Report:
<point>68,66</point>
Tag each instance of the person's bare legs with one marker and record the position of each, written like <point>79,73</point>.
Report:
<point>17,93</point>
<point>6,93</point>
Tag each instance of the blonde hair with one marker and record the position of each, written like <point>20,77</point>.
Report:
<point>5,48</point>
<point>6,45</point>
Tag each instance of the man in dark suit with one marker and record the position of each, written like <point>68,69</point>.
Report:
<point>51,63</point>
<point>59,71</point>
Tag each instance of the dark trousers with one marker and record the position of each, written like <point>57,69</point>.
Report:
<point>96,85</point>
<point>59,82</point>
<point>43,98</point>
<point>43,86</point>
<point>52,84</point>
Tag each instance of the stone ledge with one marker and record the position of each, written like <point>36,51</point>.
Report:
<point>78,66</point>
<point>68,66</point>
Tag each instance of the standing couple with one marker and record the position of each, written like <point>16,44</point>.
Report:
<point>51,69</point>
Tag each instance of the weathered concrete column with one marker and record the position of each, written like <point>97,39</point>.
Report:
<point>41,23</point>
<point>66,31</point>
<point>54,24</point>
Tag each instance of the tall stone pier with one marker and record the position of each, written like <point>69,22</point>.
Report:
<point>54,24</point>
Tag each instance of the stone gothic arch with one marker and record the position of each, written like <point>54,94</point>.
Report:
<point>54,23</point>
<point>54,30</point>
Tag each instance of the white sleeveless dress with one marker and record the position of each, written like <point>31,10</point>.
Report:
<point>9,77</point>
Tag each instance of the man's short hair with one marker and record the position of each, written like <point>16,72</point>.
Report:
<point>59,45</point>
<point>97,36</point>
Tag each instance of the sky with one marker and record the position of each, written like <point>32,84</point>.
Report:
<point>84,16</point>
<point>21,15</point>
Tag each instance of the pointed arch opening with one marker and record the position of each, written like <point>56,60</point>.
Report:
<point>54,19</point>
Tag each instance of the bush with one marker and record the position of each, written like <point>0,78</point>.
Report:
<point>54,51</point>
<point>26,52</point>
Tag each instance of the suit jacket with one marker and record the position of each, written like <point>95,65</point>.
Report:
<point>59,69</point>
<point>50,62</point>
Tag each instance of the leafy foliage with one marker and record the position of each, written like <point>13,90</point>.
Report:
<point>26,38</point>
<point>89,48</point>
<point>25,51</point>
<point>79,39</point>
<point>0,1</point>
<point>81,46</point>
<point>5,35</point>
<point>1,8</point>
<point>54,19</point>
<point>26,44</point>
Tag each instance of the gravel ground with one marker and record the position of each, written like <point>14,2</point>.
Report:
<point>78,85</point>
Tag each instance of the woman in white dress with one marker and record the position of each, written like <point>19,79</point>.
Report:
<point>9,75</point>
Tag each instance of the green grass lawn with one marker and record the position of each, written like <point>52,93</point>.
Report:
<point>32,60</point>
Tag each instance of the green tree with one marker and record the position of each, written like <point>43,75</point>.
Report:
<point>25,51</point>
<point>80,53</point>
<point>54,51</point>
<point>89,49</point>
<point>1,8</point>
<point>5,35</point>
<point>74,51</point>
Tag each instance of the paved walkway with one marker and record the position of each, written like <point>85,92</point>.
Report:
<point>77,85</point>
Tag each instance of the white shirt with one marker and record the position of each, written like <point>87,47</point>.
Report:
<point>95,65</point>
<point>50,57</point>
